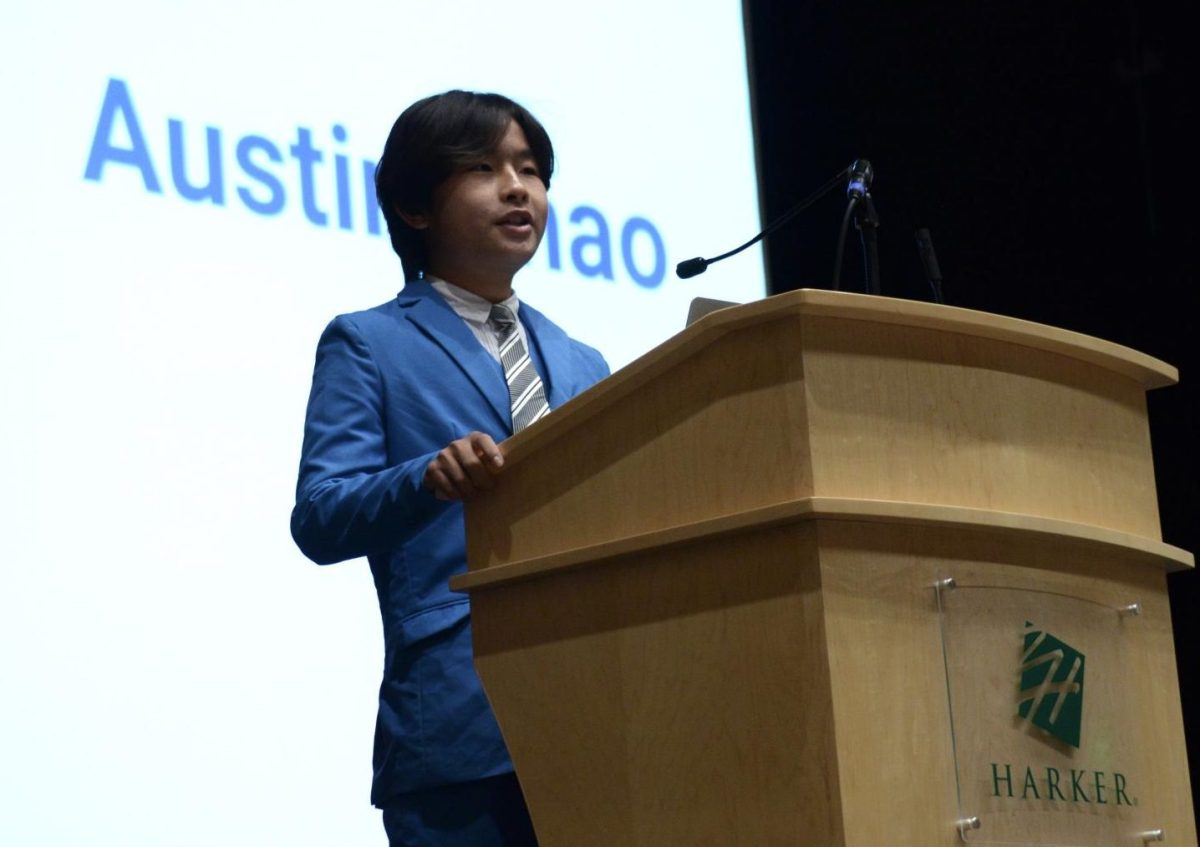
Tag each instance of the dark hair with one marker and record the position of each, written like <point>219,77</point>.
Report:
<point>429,141</point>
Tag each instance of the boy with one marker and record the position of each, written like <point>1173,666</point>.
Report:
<point>409,400</point>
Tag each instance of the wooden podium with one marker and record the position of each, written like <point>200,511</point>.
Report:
<point>830,569</point>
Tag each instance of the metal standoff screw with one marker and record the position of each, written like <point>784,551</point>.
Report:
<point>945,584</point>
<point>972,822</point>
<point>1132,611</point>
<point>1154,834</point>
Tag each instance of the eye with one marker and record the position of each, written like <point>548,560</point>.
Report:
<point>530,170</point>
<point>480,167</point>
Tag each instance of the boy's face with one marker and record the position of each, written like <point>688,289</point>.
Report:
<point>487,219</point>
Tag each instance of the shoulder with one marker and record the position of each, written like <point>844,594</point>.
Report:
<point>386,323</point>
<point>369,320</point>
<point>590,359</point>
<point>584,358</point>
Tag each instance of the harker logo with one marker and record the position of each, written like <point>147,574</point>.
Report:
<point>1051,695</point>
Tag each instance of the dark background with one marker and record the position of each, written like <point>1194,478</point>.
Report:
<point>1047,147</point>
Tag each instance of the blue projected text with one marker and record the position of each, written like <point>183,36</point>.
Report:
<point>269,172</point>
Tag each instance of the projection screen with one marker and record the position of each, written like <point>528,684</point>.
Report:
<point>188,204</point>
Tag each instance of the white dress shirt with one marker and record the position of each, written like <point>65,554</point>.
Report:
<point>475,311</point>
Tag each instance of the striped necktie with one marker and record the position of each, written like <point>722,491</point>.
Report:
<point>525,390</point>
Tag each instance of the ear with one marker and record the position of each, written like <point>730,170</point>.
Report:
<point>417,220</point>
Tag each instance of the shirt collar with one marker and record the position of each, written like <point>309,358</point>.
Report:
<point>469,305</point>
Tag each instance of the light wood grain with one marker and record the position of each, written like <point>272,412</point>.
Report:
<point>1145,370</point>
<point>714,433</point>
<point>912,414</point>
<point>1137,551</point>
<point>889,688</point>
<point>815,395</point>
<point>671,699</point>
<point>783,684</point>
<point>701,591</point>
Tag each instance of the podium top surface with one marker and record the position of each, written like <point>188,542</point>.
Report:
<point>1145,370</point>
<point>828,397</point>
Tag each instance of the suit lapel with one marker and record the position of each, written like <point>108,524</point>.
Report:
<point>554,348</point>
<point>436,320</point>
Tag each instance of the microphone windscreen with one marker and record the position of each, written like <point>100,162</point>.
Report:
<point>859,180</point>
<point>691,267</point>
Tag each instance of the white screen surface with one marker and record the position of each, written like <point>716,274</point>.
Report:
<point>174,671</point>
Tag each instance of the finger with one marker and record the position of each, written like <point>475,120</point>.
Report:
<point>472,465</point>
<point>486,449</point>
<point>439,484</point>
<point>457,475</point>
<point>458,485</point>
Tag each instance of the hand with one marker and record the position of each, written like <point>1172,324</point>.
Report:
<point>464,467</point>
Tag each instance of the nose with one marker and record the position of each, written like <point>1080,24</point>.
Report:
<point>513,188</point>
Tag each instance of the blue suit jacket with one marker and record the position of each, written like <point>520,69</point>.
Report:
<point>392,386</point>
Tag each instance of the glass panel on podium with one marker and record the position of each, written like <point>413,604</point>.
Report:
<point>1039,701</point>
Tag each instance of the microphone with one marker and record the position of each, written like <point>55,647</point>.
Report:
<point>860,209</point>
<point>861,177</point>
<point>693,267</point>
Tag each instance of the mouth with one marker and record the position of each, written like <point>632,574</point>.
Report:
<point>517,221</point>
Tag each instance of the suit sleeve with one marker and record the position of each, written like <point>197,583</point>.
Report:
<point>349,501</point>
